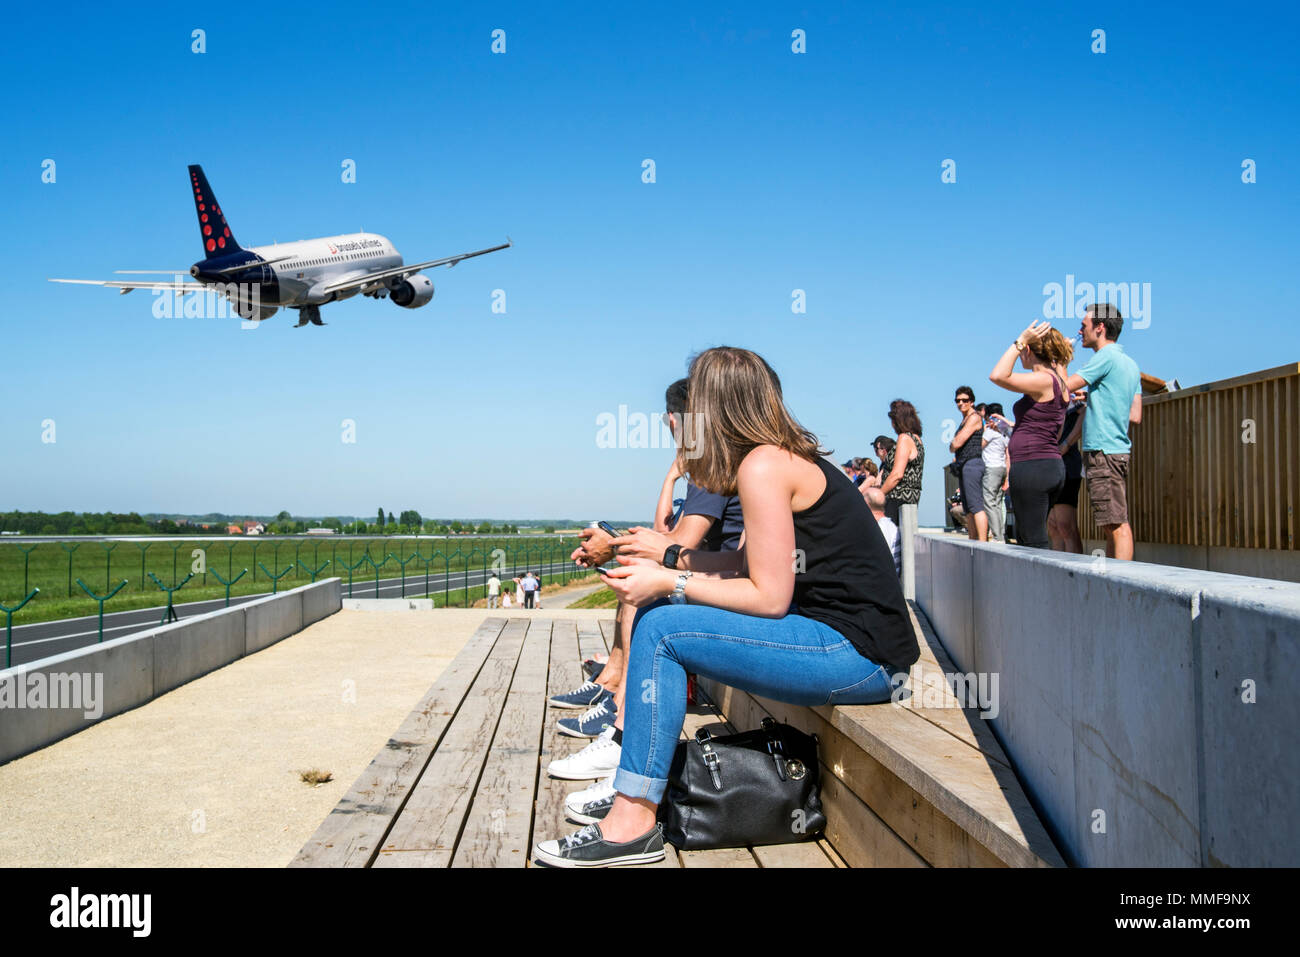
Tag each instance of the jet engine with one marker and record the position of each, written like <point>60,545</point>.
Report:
<point>412,292</point>
<point>247,304</point>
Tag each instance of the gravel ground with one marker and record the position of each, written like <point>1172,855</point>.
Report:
<point>208,775</point>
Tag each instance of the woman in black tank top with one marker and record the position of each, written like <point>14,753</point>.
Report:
<point>809,610</point>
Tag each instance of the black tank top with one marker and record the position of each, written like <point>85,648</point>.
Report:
<point>848,579</point>
<point>973,447</point>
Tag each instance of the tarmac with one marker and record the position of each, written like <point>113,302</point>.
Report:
<point>208,775</point>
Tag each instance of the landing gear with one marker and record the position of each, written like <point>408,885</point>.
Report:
<point>308,314</point>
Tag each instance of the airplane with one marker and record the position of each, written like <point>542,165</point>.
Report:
<point>302,275</point>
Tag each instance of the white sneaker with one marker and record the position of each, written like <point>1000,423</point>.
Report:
<point>593,792</point>
<point>596,760</point>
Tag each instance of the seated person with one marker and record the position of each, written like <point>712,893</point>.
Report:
<point>836,633</point>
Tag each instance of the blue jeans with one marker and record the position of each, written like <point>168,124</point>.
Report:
<point>792,659</point>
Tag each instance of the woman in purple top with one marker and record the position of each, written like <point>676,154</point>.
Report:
<point>1037,472</point>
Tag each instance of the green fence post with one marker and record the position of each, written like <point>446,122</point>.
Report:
<point>144,549</point>
<point>108,562</point>
<point>170,611</point>
<point>27,552</point>
<point>376,568</point>
<point>313,574</point>
<point>175,551</point>
<point>353,567</point>
<point>101,601</point>
<point>9,623</point>
<point>69,551</point>
<point>427,562</point>
<point>216,574</point>
<point>446,578</point>
<point>403,564</point>
<point>275,579</point>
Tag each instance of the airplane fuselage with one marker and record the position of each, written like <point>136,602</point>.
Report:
<point>303,275</point>
<point>296,274</point>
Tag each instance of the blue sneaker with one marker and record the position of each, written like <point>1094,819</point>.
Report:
<point>580,698</point>
<point>591,722</point>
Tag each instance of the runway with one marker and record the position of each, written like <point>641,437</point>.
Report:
<point>48,638</point>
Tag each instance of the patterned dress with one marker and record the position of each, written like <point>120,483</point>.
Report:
<point>908,489</point>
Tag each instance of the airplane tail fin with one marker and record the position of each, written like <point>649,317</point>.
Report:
<point>217,238</point>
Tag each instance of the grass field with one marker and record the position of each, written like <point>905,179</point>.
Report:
<point>54,568</point>
<point>605,598</point>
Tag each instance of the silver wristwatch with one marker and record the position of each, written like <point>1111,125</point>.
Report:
<point>678,597</point>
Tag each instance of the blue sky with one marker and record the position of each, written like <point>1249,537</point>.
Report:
<point>775,171</point>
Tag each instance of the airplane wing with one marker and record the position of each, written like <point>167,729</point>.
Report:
<point>401,272</point>
<point>125,286</point>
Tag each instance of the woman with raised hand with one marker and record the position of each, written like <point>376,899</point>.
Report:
<point>837,632</point>
<point>1037,472</point>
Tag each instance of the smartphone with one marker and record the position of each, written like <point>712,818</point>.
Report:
<point>609,530</point>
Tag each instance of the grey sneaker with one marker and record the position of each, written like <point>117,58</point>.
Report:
<point>588,848</point>
<point>592,812</point>
<point>575,803</point>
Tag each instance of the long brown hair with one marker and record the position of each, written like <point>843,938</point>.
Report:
<point>736,399</point>
<point>903,417</point>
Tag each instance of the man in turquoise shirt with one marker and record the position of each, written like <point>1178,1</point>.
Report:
<point>1114,400</point>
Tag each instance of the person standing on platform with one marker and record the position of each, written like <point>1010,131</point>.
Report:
<point>966,444</point>
<point>996,465</point>
<point>1037,472</point>
<point>1114,402</point>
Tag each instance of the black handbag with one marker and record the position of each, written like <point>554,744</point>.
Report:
<point>756,787</point>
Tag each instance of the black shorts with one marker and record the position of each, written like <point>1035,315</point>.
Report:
<point>1069,494</point>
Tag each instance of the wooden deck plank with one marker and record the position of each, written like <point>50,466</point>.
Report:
<point>501,814</point>
<point>565,674</point>
<point>591,641</point>
<point>426,831</point>
<point>351,834</point>
<point>609,632</point>
<point>721,857</point>
<point>915,820</point>
<point>808,854</point>
<point>982,797</point>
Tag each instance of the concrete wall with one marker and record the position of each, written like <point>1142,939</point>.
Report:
<point>1254,562</point>
<point>131,671</point>
<point>1147,699</point>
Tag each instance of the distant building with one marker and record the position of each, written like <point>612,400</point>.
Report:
<point>254,528</point>
<point>320,531</point>
<point>234,530</point>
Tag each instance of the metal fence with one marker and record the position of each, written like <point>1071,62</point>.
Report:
<point>1217,465</point>
<point>70,571</point>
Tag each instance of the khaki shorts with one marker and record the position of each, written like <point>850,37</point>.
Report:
<point>1107,487</point>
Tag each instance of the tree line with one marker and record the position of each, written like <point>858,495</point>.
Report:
<point>409,522</point>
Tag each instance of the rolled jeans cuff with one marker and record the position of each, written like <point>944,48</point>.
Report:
<point>633,785</point>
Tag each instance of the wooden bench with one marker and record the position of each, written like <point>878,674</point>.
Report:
<point>912,786</point>
<point>463,782</point>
